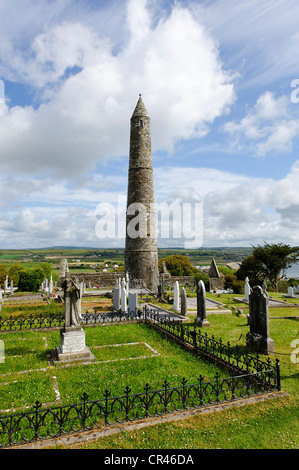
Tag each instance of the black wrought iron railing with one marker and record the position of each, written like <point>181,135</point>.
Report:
<point>46,423</point>
<point>229,356</point>
<point>33,322</point>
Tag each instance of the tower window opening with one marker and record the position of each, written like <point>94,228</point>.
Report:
<point>141,123</point>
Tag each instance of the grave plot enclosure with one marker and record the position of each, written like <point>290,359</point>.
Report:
<point>238,375</point>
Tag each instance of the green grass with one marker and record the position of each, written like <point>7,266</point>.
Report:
<point>25,310</point>
<point>271,424</point>
<point>131,365</point>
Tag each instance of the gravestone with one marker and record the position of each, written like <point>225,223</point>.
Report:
<point>158,282</point>
<point>183,301</point>
<point>116,295</point>
<point>258,337</point>
<point>51,286</point>
<point>246,289</point>
<point>176,297</point>
<point>11,287</point>
<point>72,336</point>
<point>0,293</point>
<point>290,292</point>
<point>201,319</point>
<point>123,299</point>
<point>265,287</point>
<point>133,303</point>
<point>161,287</point>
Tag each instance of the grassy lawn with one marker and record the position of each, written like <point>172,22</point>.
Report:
<point>126,355</point>
<point>272,424</point>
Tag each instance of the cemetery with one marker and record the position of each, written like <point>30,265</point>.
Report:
<point>144,364</point>
<point>90,354</point>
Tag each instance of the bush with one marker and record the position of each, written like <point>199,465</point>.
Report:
<point>231,282</point>
<point>31,279</point>
<point>178,265</point>
<point>203,277</point>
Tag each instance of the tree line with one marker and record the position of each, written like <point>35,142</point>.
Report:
<point>265,263</point>
<point>26,279</point>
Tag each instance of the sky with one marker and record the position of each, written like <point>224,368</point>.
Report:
<point>220,81</point>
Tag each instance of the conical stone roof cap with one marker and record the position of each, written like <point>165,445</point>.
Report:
<point>140,109</point>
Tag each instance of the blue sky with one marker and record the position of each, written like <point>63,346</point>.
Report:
<point>218,79</point>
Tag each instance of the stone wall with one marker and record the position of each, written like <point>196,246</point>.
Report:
<point>217,282</point>
<point>182,280</point>
<point>103,280</point>
<point>107,280</point>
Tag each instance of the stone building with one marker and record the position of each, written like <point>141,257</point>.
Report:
<point>141,254</point>
<point>216,279</point>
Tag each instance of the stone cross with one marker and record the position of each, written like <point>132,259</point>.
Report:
<point>258,336</point>
<point>176,297</point>
<point>0,293</point>
<point>11,287</point>
<point>183,301</point>
<point>201,319</point>
<point>246,289</point>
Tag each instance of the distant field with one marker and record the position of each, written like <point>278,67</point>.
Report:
<point>201,256</point>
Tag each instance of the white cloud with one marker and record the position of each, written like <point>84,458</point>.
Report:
<point>85,117</point>
<point>238,210</point>
<point>269,126</point>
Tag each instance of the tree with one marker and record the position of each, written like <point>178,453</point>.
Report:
<point>31,279</point>
<point>47,269</point>
<point>14,272</point>
<point>200,276</point>
<point>251,268</point>
<point>178,265</point>
<point>267,262</point>
<point>231,282</point>
<point>3,273</point>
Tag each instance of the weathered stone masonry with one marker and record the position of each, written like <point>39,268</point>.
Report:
<point>141,254</point>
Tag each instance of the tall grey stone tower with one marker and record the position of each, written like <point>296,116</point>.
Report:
<point>141,254</point>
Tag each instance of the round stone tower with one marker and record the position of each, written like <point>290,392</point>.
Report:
<point>141,254</point>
